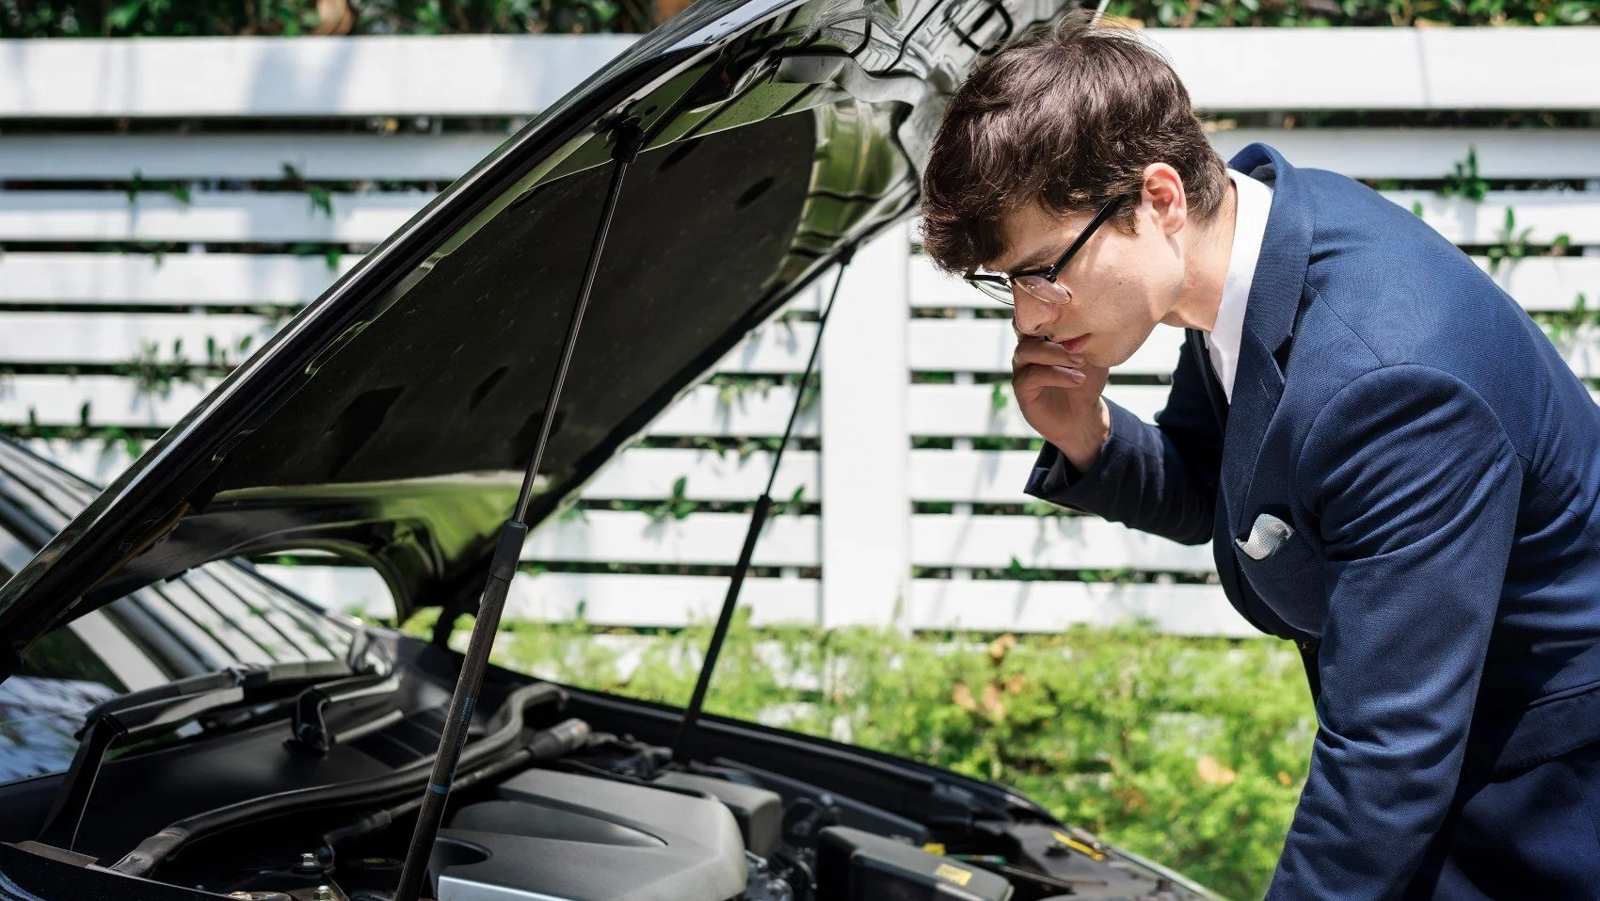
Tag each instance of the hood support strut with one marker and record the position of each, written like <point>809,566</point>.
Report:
<point>758,518</point>
<point>503,567</point>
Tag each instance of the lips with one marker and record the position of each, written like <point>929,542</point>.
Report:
<point>1075,344</point>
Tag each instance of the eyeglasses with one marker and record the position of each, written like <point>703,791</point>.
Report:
<point>1041,283</point>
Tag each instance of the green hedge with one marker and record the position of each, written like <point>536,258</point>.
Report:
<point>149,18</point>
<point>1189,751</point>
<point>1185,13</point>
<point>99,18</point>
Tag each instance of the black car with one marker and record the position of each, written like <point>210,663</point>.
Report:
<point>173,725</point>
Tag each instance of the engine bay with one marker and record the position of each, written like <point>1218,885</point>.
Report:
<point>600,816</point>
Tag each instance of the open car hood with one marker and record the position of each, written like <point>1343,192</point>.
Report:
<point>390,420</point>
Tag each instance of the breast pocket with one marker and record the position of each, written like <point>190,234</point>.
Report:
<point>1289,580</point>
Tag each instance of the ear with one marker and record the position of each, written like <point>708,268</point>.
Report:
<point>1163,195</point>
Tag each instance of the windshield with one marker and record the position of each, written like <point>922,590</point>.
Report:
<point>214,616</point>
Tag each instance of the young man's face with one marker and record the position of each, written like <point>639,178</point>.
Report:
<point>1122,283</point>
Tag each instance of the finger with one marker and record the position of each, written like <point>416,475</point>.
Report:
<point>1033,350</point>
<point>1034,377</point>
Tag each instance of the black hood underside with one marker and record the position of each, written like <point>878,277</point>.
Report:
<point>391,420</point>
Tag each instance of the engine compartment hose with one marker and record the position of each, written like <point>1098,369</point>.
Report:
<point>545,746</point>
<point>505,728</point>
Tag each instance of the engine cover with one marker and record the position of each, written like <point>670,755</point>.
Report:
<point>556,836</point>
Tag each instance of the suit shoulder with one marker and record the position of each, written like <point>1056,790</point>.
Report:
<point>1408,293</point>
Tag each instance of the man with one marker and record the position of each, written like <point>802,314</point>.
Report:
<point>1395,467</point>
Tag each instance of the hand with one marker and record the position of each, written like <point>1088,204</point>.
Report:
<point>1059,394</point>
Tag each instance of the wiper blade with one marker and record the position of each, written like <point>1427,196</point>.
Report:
<point>150,710</point>
<point>158,709</point>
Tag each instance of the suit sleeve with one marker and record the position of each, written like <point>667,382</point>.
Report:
<point>1160,479</point>
<point>1415,488</point>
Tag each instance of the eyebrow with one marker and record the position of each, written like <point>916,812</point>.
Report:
<point>1041,257</point>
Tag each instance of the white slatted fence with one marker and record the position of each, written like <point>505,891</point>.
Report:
<point>914,512</point>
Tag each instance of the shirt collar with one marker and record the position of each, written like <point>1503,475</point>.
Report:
<point>1249,229</point>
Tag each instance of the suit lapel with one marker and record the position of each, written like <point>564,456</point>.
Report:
<point>1268,322</point>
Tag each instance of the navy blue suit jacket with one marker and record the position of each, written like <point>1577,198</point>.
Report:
<point>1440,466</point>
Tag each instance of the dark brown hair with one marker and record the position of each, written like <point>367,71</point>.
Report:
<point>1067,117</point>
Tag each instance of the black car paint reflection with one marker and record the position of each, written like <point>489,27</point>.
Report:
<point>213,617</point>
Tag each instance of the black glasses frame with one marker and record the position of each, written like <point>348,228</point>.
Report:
<point>1000,287</point>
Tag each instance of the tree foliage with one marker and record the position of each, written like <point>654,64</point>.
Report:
<point>127,18</point>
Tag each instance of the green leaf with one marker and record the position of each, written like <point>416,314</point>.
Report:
<point>122,16</point>
<point>321,200</point>
<point>1037,507</point>
<point>1015,569</point>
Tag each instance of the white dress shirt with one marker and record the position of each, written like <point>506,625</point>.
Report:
<point>1249,227</point>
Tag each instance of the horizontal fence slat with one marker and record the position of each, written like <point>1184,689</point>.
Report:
<point>107,338</point>
<point>1399,68</point>
<point>622,599</point>
<point>985,605</point>
<point>349,589</point>
<point>712,539</point>
<point>456,75</point>
<point>649,472</point>
<point>103,338</point>
<point>606,599</point>
<point>1427,153</point>
<point>757,414</point>
<point>774,348</point>
<point>99,462</point>
<point>248,157</point>
<point>116,400</point>
<point>1547,213</point>
<point>971,476</point>
<point>113,400</point>
<point>1548,284</point>
<point>1356,152</point>
<point>1047,542</point>
<point>1510,68</point>
<point>176,279</point>
<point>498,75</point>
<point>208,216</point>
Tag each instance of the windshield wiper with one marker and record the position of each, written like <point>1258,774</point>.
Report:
<point>159,709</point>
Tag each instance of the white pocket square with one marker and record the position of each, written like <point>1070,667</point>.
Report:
<point>1266,535</point>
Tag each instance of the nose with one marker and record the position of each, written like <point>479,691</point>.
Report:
<point>1032,316</point>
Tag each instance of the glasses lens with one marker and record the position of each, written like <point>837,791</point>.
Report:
<point>993,290</point>
<point>1044,289</point>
